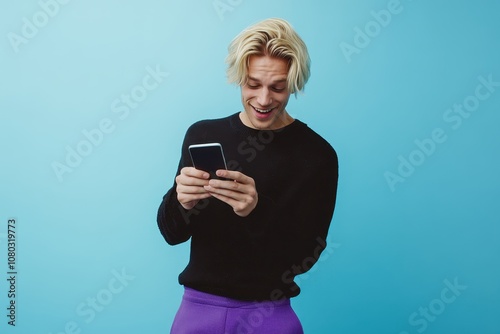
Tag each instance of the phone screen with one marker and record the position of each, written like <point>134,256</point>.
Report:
<point>208,157</point>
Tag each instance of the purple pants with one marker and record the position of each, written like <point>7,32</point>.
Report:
<point>204,313</point>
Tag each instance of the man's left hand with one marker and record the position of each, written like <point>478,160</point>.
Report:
<point>240,193</point>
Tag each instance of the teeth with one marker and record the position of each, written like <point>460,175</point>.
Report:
<point>263,111</point>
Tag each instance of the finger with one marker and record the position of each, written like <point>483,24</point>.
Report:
<point>234,175</point>
<point>224,192</point>
<point>193,172</point>
<point>228,200</point>
<point>186,189</point>
<point>236,192</point>
<point>190,181</point>
<point>240,208</point>
<point>231,186</point>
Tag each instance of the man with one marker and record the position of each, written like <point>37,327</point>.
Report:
<point>266,219</point>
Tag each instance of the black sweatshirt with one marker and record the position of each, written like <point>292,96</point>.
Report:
<point>256,257</point>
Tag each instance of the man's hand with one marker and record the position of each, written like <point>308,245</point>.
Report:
<point>240,193</point>
<point>190,187</point>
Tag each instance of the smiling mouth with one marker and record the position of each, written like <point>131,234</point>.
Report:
<point>263,111</point>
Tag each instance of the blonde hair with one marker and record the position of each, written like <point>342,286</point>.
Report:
<point>275,38</point>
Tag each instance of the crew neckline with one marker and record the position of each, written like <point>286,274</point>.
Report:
<point>238,123</point>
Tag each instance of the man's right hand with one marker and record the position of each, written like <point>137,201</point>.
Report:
<point>190,186</point>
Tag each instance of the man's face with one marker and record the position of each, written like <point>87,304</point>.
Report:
<point>265,95</point>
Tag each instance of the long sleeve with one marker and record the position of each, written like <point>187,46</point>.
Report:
<point>306,216</point>
<point>313,213</point>
<point>175,222</point>
<point>173,219</point>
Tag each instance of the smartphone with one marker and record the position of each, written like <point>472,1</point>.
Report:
<point>208,157</point>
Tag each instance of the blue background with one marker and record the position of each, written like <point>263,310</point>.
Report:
<point>391,248</point>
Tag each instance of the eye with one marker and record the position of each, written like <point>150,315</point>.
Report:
<point>252,86</point>
<point>278,89</point>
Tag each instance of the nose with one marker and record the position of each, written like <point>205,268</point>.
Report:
<point>264,97</point>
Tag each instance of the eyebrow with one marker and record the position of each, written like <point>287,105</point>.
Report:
<point>274,82</point>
